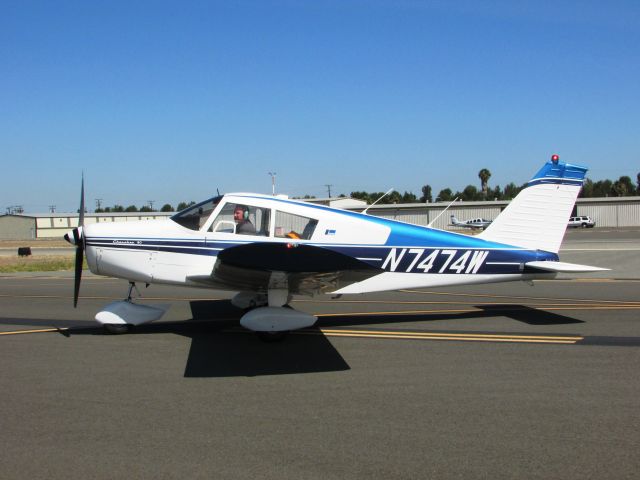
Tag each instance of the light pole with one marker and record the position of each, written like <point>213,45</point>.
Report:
<point>328,189</point>
<point>273,183</point>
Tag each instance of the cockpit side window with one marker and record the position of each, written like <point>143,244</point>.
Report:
<point>242,219</point>
<point>289,225</point>
<point>194,217</point>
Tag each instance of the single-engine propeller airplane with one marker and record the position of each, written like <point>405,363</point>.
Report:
<point>268,248</point>
<point>473,223</point>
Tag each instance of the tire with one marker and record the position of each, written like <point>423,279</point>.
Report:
<point>584,225</point>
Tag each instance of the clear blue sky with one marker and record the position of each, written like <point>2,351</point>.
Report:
<point>169,101</point>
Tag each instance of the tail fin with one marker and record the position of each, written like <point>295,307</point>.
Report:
<point>537,218</point>
<point>454,220</point>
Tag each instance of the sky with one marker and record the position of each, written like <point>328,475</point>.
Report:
<point>174,101</point>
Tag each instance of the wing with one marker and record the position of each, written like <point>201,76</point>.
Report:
<point>308,268</point>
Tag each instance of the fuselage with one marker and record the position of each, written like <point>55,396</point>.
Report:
<point>176,250</point>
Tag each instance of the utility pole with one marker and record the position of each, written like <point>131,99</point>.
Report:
<point>151,204</point>
<point>328,189</point>
<point>98,203</point>
<point>52,208</point>
<point>273,183</point>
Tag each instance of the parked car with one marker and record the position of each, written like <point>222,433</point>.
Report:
<point>583,221</point>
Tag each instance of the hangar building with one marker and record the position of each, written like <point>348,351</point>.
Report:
<point>607,212</point>
<point>55,225</point>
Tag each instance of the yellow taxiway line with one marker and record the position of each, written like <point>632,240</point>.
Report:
<point>395,335</point>
<point>466,337</point>
<point>42,330</point>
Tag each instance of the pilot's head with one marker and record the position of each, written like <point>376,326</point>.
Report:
<point>241,213</point>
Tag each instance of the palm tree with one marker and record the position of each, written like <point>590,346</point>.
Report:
<point>484,175</point>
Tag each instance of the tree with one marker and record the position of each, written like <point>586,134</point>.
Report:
<point>426,194</point>
<point>484,175</point>
<point>495,194</point>
<point>360,196</point>
<point>587,189</point>
<point>183,205</point>
<point>622,187</point>
<point>393,197</point>
<point>602,188</point>
<point>409,197</point>
<point>146,208</point>
<point>131,208</point>
<point>510,191</point>
<point>445,195</point>
<point>469,193</point>
<point>166,208</point>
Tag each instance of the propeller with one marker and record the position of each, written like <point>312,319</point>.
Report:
<point>76,237</point>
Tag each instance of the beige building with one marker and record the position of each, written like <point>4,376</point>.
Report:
<point>55,225</point>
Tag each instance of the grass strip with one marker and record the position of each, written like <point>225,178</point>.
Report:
<point>40,263</point>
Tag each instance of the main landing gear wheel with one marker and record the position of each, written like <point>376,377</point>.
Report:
<point>272,337</point>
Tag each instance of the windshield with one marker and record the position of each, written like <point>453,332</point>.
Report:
<point>195,216</point>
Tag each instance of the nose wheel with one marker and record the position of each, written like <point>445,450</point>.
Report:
<point>120,328</point>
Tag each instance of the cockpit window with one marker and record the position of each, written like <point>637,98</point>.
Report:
<point>242,219</point>
<point>289,225</point>
<point>194,217</point>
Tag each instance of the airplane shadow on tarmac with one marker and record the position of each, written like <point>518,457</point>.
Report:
<point>220,349</point>
<point>520,313</point>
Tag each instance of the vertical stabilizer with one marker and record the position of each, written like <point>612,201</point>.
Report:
<point>537,218</point>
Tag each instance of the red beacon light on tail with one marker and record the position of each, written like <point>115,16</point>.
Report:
<point>555,158</point>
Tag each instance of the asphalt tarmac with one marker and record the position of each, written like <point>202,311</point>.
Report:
<point>494,381</point>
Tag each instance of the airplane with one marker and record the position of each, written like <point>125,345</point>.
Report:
<point>474,223</point>
<point>269,248</point>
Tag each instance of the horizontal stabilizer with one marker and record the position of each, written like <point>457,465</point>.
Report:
<point>564,267</point>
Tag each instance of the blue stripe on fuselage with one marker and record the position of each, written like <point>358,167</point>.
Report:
<point>412,257</point>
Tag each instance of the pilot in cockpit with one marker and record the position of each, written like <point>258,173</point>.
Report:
<point>243,224</point>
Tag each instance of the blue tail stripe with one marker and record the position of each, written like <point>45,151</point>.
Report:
<point>561,172</point>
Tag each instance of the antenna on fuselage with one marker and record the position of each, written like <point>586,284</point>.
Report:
<point>447,208</point>
<point>364,212</point>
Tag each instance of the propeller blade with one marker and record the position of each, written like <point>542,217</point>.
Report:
<point>78,274</point>
<point>78,234</point>
<point>81,218</point>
